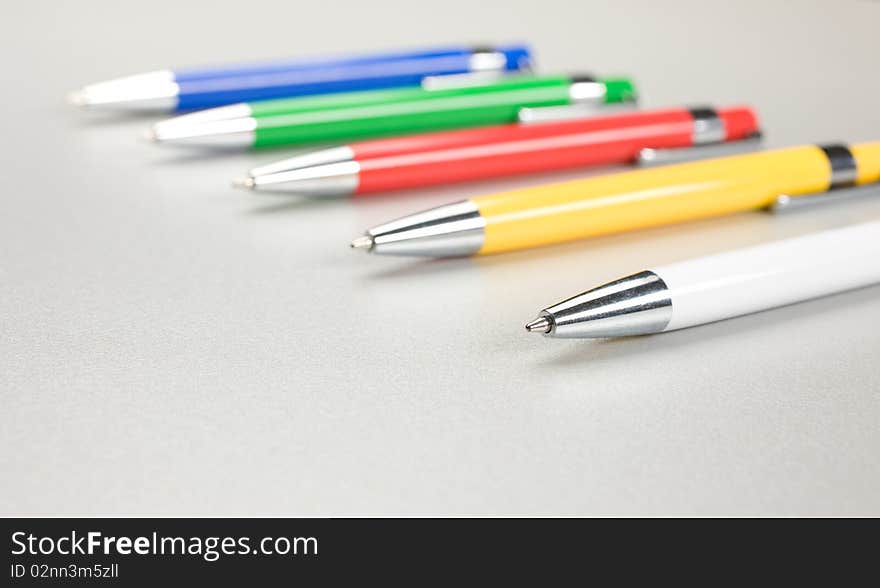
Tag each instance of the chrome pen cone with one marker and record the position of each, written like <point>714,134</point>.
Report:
<point>150,91</point>
<point>334,179</point>
<point>234,133</point>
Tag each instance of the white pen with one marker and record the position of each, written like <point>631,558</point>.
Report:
<point>718,287</point>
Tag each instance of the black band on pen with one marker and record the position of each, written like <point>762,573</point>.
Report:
<point>844,169</point>
<point>582,79</point>
<point>703,113</point>
<point>483,49</point>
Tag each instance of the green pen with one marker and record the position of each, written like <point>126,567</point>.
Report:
<point>441,104</point>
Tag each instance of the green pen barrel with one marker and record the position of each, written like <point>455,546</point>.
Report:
<point>407,111</point>
<point>331,101</point>
<point>619,90</point>
<point>397,95</point>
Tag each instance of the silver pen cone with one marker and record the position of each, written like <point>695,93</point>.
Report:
<point>237,133</point>
<point>219,113</point>
<point>154,91</point>
<point>312,158</point>
<point>452,230</point>
<point>334,179</point>
<point>635,305</point>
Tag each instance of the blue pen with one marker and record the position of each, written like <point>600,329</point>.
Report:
<point>192,89</point>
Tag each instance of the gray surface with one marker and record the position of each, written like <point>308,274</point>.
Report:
<point>171,346</point>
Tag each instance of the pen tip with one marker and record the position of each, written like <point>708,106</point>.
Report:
<point>365,243</point>
<point>76,98</point>
<point>151,135</point>
<point>539,325</point>
<point>244,183</point>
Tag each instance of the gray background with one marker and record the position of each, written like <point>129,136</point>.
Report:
<point>171,346</point>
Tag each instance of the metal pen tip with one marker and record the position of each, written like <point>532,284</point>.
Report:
<point>539,325</point>
<point>365,243</point>
<point>244,183</point>
<point>76,98</point>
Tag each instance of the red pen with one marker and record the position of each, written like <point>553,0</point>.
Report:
<point>646,137</point>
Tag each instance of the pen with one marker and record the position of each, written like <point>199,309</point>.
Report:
<point>718,287</point>
<point>170,90</point>
<point>472,154</point>
<point>625,201</point>
<point>385,112</point>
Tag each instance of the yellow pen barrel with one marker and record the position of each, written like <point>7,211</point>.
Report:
<point>867,156</point>
<point>645,198</point>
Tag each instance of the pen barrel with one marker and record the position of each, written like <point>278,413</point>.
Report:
<point>739,123</point>
<point>646,198</point>
<point>304,104</point>
<point>766,276</point>
<point>392,146</point>
<point>523,149</point>
<point>329,77</point>
<point>425,113</point>
<point>350,60</point>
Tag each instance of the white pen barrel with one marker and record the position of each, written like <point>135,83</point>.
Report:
<point>766,276</point>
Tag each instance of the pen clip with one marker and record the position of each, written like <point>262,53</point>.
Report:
<point>649,157</point>
<point>461,80</point>
<point>539,114</point>
<point>785,203</point>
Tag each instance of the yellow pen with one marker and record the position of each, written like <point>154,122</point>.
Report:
<point>554,213</point>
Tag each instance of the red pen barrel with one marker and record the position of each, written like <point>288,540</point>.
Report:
<point>429,141</point>
<point>739,122</point>
<point>531,148</point>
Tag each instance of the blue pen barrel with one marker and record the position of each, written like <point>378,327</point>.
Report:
<point>306,63</point>
<point>200,89</point>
